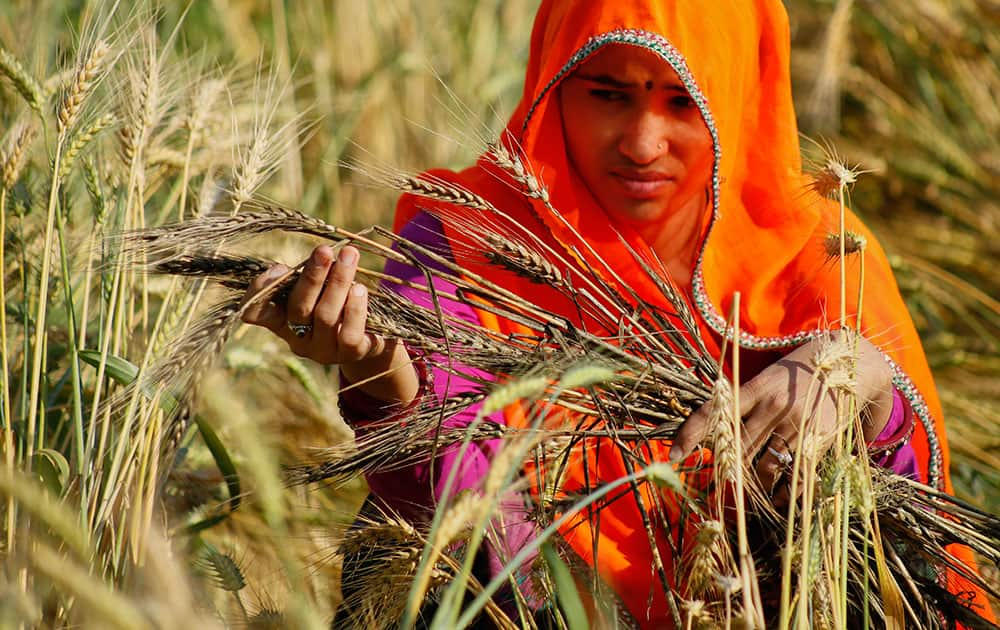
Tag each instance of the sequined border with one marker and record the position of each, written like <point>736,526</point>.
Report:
<point>666,50</point>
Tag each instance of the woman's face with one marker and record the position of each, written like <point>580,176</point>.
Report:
<point>635,136</point>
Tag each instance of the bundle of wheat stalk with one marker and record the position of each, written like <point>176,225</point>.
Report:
<point>866,548</point>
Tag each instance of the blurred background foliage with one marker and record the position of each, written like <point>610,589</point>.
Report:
<point>908,89</point>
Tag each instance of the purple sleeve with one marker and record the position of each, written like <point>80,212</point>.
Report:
<point>892,449</point>
<point>409,490</point>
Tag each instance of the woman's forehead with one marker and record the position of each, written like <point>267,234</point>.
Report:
<point>628,65</point>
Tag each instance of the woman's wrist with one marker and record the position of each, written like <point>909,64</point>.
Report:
<point>874,378</point>
<point>388,376</point>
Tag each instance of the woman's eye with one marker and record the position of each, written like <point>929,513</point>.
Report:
<point>682,102</point>
<point>608,95</point>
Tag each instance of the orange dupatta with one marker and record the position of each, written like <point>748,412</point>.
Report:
<point>764,237</point>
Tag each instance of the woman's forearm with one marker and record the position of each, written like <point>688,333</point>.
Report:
<point>388,376</point>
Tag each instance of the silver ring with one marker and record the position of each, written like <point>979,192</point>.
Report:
<point>300,330</point>
<point>784,457</point>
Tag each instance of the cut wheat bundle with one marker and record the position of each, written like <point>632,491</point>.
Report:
<point>657,373</point>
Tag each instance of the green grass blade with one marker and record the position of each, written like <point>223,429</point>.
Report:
<point>567,595</point>
<point>222,459</point>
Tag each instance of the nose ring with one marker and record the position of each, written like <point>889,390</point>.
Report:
<point>659,147</point>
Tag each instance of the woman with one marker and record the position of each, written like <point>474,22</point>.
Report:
<point>673,122</point>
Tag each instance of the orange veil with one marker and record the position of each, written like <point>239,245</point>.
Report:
<point>763,238</point>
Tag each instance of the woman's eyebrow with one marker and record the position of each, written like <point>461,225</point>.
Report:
<point>610,81</point>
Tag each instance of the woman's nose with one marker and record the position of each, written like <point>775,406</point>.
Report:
<point>645,138</point>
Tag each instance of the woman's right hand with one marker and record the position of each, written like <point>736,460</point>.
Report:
<point>324,320</point>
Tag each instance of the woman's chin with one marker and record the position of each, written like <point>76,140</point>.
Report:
<point>639,213</point>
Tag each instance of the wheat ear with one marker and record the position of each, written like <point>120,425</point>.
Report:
<point>83,82</point>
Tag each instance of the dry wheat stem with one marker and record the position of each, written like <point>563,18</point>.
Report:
<point>38,358</point>
<point>530,259</point>
<point>526,254</point>
<point>8,425</point>
<point>595,293</point>
<point>162,244</point>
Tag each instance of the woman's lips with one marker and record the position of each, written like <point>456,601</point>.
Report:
<point>642,185</point>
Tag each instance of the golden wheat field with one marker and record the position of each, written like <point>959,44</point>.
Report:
<point>171,507</point>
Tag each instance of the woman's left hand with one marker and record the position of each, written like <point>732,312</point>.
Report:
<point>773,404</point>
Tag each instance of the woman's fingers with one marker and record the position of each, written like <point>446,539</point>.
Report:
<point>355,343</point>
<point>771,415</point>
<point>260,310</point>
<point>691,432</point>
<point>767,435</point>
<point>774,462</point>
<point>781,493</point>
<point>309,286</point>
<point>767,406</point>
<point>329,310</point>
<point>776,405</point>
<point>331,314</point>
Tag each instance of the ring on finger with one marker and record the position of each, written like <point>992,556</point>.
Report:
<point>377,346</point>
<point>300,330</point>
<point>784,457</point>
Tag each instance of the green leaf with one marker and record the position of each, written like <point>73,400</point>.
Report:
<point>53,468</point>
<point>119,369</point>
<point>567,594</point>
<point>125,372</point>
<point>222,460</point>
